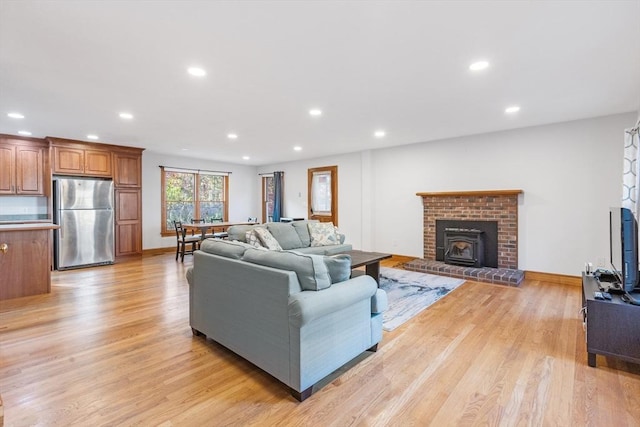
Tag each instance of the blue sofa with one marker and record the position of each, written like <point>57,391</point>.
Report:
<point>297,316</point>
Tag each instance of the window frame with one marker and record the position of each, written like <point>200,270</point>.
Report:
<point>265,210</point>
<point>165,232</point>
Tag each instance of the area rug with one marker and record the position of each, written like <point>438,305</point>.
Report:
<point>409,293</point>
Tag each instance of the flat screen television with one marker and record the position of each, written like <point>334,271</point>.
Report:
<point>624,247</point>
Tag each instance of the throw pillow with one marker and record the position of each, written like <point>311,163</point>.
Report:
<point>339,267</point>
<point>322,234</point>
<point>252,238</point>
<point>267,239</point>
<point>310,269</point>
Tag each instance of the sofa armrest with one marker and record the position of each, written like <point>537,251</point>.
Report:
<point>379,302</point>
<point>306,306</point>
<point>189,275</point>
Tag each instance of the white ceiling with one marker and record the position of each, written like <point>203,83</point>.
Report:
<point>70,67</point>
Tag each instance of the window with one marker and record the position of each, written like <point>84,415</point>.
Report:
<point>191,195</point>
<point>268,197</point>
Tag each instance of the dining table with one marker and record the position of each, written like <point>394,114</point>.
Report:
<point>203,227</point>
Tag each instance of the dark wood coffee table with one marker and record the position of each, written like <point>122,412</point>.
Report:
<point>370,260</point>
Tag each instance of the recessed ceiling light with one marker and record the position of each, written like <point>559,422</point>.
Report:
<point>126,116</point>
<point>479,65</point>
<point>196,71</point>
<point>512,109</point>
<point>24,132</point>
<point>379,134</point>
<point>92,136</point>
<point>245,157</point>
<point>232,136</point>
<point>315,112</point>
<point>297,148</point>
<point>184,149</point>
<point>15,115</point>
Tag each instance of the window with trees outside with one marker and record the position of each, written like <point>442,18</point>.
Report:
<point>268,197</point>
<point>188,195</point>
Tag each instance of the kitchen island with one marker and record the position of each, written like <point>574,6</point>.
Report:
<point>25,259</point>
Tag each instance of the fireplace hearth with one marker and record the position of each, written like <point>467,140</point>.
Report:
<point>464,246</point>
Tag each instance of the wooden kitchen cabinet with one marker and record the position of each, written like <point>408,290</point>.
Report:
<point>128,231</point>
<point>23,163</point>
<point>25,260</point>
<point>128,170</point>
<point>79,161</point>
<point>124,166</point>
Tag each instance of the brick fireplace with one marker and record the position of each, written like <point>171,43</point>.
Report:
<point>490,205</point>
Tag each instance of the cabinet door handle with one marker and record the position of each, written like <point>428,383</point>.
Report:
<point>4,248</point>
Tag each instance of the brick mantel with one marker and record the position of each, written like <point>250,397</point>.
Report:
<point>483,205</point>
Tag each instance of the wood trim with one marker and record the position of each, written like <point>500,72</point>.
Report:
<point>560,279</point>
<point>471,193</point>
<point>158,251</point>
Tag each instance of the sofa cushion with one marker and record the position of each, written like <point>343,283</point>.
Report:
<point>339,267</point>
<point>323,234</point>
<point>311,270</point>
<point>285,234</point>
<point>252,238</point>
<point>267,239</point>
<point>302,228</point>
<point>238,232</point>
<point>225,248</point>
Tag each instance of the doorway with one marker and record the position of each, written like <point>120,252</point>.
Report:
<point>322,194</point>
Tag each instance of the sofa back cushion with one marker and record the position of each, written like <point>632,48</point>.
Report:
<point>224,248</point>
<point>285,234</point>
<point>238,232</point>
<point>302,228</point>
<point>311,270</point>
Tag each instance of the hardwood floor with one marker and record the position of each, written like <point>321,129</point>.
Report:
<point>112,346</point>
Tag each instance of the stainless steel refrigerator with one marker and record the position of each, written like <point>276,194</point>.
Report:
<point>84,210</point>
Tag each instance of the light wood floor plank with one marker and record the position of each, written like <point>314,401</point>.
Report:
<point>112,346</point>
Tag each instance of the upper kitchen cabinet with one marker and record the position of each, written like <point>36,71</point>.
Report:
<point>71,159</point>
<point>24,166</point>
<point>128,169</point>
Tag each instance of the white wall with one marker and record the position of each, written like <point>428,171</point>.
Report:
<point>244,197</point>
<point>570,173</point>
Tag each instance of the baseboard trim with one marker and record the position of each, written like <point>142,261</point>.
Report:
<point>561,279</point>
<point>158,251</point>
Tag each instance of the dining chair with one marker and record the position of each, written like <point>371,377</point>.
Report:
<point>221,234</point>
<point>183,240</point>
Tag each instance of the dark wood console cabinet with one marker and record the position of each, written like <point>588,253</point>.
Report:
<point>612,327</point>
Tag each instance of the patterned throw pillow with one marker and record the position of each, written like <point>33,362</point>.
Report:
<point>322,234</point>
<point>267,239</point>
<point>252,238</point>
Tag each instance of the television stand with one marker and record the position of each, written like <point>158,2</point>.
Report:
<point>612,327</point>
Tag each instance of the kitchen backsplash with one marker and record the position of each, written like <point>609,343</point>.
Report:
<point>23,208</point>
